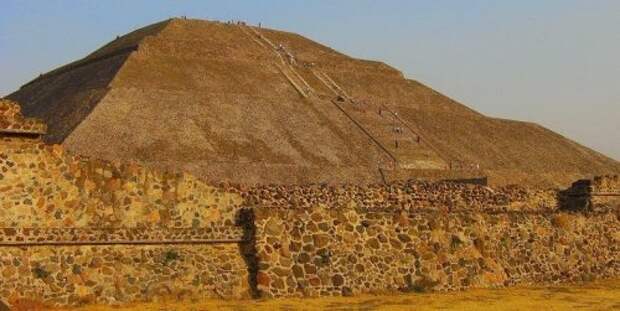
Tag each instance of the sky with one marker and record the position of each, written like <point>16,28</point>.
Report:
<point>553,62</point>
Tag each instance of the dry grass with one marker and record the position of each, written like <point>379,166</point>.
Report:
<point>563,221</point>
<point>603,295</point>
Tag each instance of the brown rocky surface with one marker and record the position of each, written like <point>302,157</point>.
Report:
<point>348,252</point>
<point>78,231</point>
<point>253,105</point>
<point>13,122</point>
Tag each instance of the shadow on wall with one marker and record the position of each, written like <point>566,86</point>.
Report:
<point>347,240</point>
<point>247,248</point>
<point>482,181</point>
<point>570,202</point>
<point>596,195</point>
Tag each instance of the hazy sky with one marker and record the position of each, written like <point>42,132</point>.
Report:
<point>554,62</point>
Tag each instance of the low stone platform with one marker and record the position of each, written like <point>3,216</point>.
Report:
<point>75,230</point>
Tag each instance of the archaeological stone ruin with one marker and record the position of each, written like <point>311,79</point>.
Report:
<point>193,159</point>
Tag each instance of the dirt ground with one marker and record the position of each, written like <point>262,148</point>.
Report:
<point>601,295</point>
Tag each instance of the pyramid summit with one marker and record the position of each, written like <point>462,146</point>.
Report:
<point>233,102</point>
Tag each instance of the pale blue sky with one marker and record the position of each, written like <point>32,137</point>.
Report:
<point>555,62</point>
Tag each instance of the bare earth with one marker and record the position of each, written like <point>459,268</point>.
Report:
<point>601,295</point>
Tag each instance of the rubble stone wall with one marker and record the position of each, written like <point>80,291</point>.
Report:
<point>599,194</point>
<point>80,231</point>
<point>351,251</point>
<point>113,274</point>
<point>320,240</point>
<point>43,187</point>
<point>74,230</point>
<point>409,195</point>
<point>607,184</point>
<point>12,121</point>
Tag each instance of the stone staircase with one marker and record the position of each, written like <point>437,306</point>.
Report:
<point>284,63</point>
<point>398,139</point>
<point>403,147</point>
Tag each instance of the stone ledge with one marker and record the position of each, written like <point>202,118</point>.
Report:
<point>34,131</point>
<point>105,236</point>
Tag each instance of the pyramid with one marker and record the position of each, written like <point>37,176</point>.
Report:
<point>231,102</point>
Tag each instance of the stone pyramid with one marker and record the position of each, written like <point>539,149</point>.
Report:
<point>231,102</point>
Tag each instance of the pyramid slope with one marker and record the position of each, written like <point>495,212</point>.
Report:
<point>64,96</point>
<point>231,113</point>
<point>221,101</point>
<point>64,100</point>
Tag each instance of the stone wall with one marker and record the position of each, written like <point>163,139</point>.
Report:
<point>321,240</point>
<point>347,251</point>
<point>112,274</point>
<point>43,187</point>
<point>402,195</point>
<point>75,230</point>
<point>609,184</point>
<point>409,236</point>
<point>12,121</point>
<point>601,193</point>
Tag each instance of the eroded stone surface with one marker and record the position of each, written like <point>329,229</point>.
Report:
<point>79,231</point>
<point>375,251</point>
<point>12,121</point>
<point>312,240</point>
<point>118,274</point>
